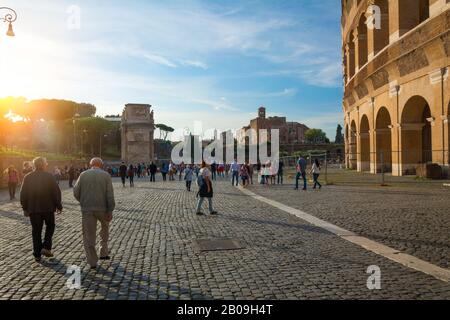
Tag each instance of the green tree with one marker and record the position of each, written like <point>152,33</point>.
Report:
<point>164,130</point>
<point>316,136</point>
<point>339,136</point>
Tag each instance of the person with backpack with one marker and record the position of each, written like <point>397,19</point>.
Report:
<point>315,170</point>
<point>244,175</point>
<point>205,190</point>
<point>164,170</point>
<point>13,181</point>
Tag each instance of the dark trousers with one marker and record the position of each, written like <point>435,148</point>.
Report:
<point>71,182</point>
<point>316,180</point>
<point>303,175</point>
<point>164,175</point>
<point>214,175</point>
<point>37,224</point>
<point>12,186</point>
<point>280,177</point>
<point>131,180</point>
<point>235,176</point>
<point>123,179</point>
<point>188,185</point>
<point>152,177</point>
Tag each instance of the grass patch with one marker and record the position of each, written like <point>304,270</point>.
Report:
<point>32,154</point>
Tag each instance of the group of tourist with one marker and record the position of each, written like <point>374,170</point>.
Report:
<point>40,194</point>
<point>40,197</point>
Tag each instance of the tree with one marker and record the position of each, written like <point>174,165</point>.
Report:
<point>164,130</point>
<point>339,136</point>
<point>316,136</point>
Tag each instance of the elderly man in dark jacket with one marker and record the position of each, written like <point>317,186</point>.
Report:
<point>40,198</point>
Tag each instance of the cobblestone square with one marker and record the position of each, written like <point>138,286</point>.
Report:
<point>284,257</point>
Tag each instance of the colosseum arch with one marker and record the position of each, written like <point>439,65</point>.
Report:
<point>412,13</point>
<point>352,146</point>
<point>383,140</point>
<point>381,36</point>
<point>361,40</point>
<point>416,138</point>
<point>364,143</point>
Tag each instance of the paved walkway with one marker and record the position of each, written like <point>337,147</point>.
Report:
<point>154,257</point>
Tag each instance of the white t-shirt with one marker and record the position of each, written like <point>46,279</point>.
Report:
<point>204,172</point>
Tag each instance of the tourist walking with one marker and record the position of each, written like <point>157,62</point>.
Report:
<point>71,176</point>
<point>27,168</point>
<point>205,190</point>
<point>214,170</point>
<point>94,191</point>
<point>280,172</point>
<point>188,176</point>
<point>244,175</point>
<point>12,179</point>
<point>315,170</point>
<point>57,174</point>
<point>131,172</point>
<point>123,173</point>
<point>40,198</point>
<point>301,172</point>
<point>235,172</point>
<point>152,170</point>
<point>164,171</point>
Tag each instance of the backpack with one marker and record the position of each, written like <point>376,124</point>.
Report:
<point>200,181</point>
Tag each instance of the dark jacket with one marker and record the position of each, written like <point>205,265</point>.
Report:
<point>40,193</point>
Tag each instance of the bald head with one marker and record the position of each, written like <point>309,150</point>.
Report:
<point>96,163</point>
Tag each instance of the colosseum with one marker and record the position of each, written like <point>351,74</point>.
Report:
<point>396,99</point>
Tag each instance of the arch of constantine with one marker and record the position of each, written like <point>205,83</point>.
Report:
<point>397,92</point>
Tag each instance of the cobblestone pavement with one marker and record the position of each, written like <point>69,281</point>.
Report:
<point>153,256</point>
<point>414,219</point>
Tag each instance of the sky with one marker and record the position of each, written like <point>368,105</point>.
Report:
<point>210,61</point>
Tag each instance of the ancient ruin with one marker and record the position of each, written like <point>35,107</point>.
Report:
<point>137,134</point>
<point>396,85</point>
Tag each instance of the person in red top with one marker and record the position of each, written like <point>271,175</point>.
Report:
<point>13,181</point>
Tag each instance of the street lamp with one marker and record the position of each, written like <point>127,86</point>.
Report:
<point>74,120</point>
<point>9,17</point>
<point>101,138</point>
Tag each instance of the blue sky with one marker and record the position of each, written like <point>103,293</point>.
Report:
<point>209,61</point>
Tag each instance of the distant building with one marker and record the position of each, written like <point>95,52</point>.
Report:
<point>291,133</point>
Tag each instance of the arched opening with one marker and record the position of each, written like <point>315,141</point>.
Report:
<point>412,13</point>
<point>381,36</point>
<point>416,134</point>
<point>361,39</point>
<point>352,147</point>
<point>364,140</point>
<point>384,141</point>
<point>350,59</point>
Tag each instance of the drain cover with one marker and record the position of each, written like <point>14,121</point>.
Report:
<point>217,244</point>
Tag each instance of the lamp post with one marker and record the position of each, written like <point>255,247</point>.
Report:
<point>74,120</point>
<point>9,17</point>
<point>101,138</point>
<point>81,146</point>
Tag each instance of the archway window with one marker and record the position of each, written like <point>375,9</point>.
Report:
<point>361,42</point>
<point>412,13</point>
<point>364,144</point>
<point>383,140</point>
<point>381,36</point>
<point>416,134</point>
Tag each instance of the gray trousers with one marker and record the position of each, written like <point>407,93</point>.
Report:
<point>200,202</point>
<point>89,222</point>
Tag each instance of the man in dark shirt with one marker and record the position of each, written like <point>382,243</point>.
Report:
<point>280,172</point>
<point>40,198</point>
<point>123,172</point>
<point>71,176</point>
<point>153,169</point>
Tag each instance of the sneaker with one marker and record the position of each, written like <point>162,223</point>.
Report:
<point>213,213</point>
<point>93,267</point>
<point>46,253</point>
<point>37,259</point>
<point>199,213</point>
<point>105,258</point>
